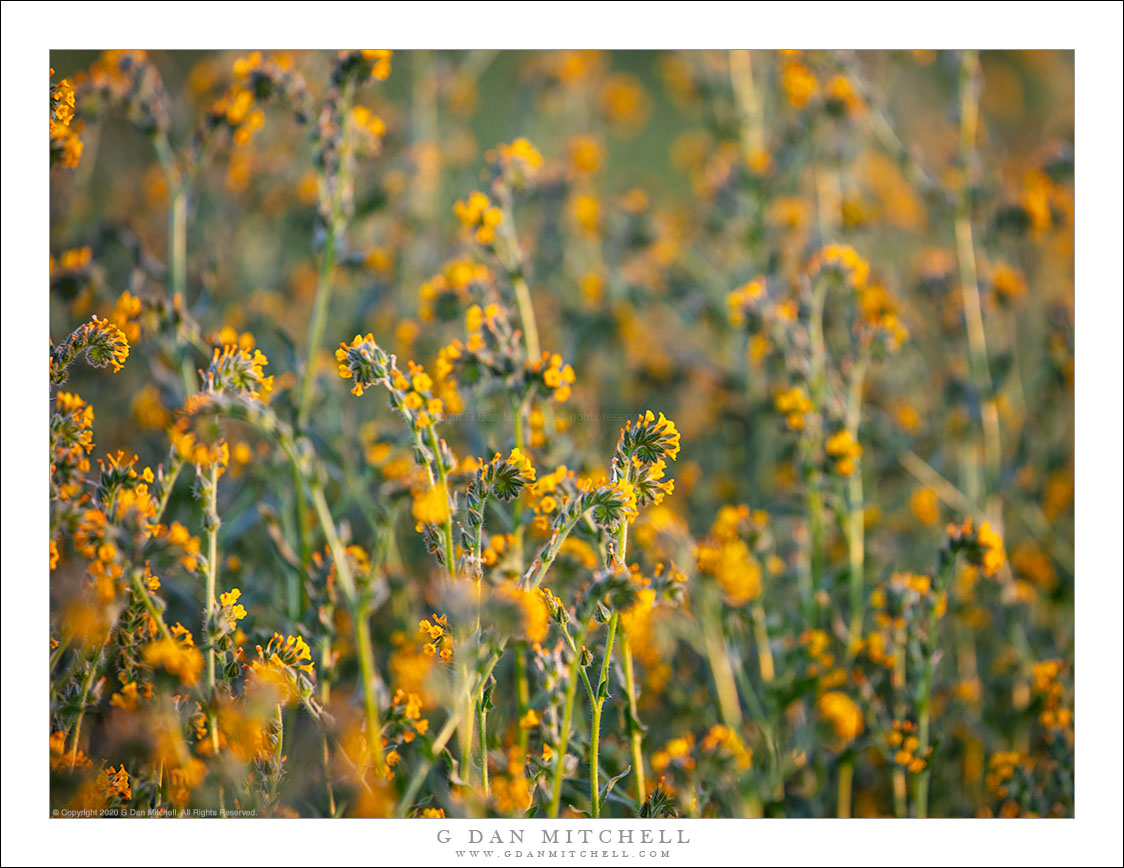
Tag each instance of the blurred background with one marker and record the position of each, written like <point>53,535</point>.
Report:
<point>669,180</point>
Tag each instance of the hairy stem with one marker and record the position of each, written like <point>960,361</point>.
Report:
<point>635,731</point>
<point>595,725</point>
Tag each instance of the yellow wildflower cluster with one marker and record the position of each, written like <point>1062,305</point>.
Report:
<point>278,673</point>
<point>1046,684</point>
<point>430,505</point>
<point>177,653</point>
<point>371,124</point>
<point>723,738</point>
<point>479,214</point>
<point>66,145</point>
<point>843,447</point>
<point>799,83</point>
<point>440,643</point>
<point>733,566</point>
<point>103,344</point>
<point>842,96</point>
<point>451,284</point>
<point>594,645</point>
<point>841,259</point>
<point>556,375</point>
<point>677,752</point>
<point>795,404</point>
<point>410,705</point>
<point>239,371</point>
<point>379,59</point>
<point>1002,767</point>
<point>845,717</point>
<point>534,615</point>
<point>519,160</point>
<point>983,546</point>
<point>742,299</point>
<point>902,739</point>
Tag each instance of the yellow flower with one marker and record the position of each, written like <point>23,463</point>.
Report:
<point>795,404</point>
<point>230,600</point>
<point>799,83</point>
<point>180,658</point>
<point>925,506</point>
<point>843,447</point>
<point>844,715</point>
<point>431,506</point>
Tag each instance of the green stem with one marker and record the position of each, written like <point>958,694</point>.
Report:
<point>969,277</point>
<point>482,717</point>
<point>901,710</point>
<point>527,316</point>
<point>522,694</point>
<point>761,640</point>
<point>856,543</point>
<point>335,231</point>
<point>325,693</point>
<point>466,733</point>
<point>514,268</point>
<point>278,754</point>
<point>718,657</point>
<point>562,744</point>
<point>361,615</point>
<point>426,764</point>
<point>635,731</point>
<point>177,229</point>
<point>813,448</point>
<point>212,523</point>
<point>595,725</point>
<point>843,794</point>
<point>89,682</point>
<point>925,692</point>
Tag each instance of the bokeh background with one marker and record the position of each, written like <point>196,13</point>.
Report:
<point>669,180</point>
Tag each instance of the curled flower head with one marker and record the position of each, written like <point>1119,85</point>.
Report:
<point>507,477</point>
<point>239,371</point>
<point>103,343</point>
<point>413,396</point>
<point>612,502</point>
<point>982,546</point>
<point>843,261</point>
<point>650,439</point>
<point>282,668</point>
<point>364,361</point>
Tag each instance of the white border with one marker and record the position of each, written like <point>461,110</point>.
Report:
<point>1093,30</point>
